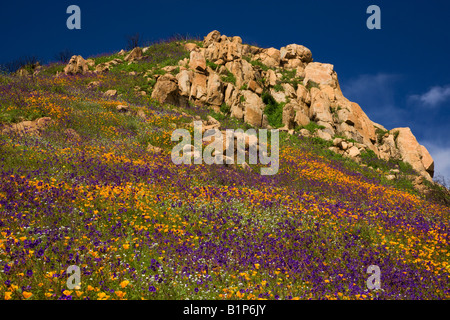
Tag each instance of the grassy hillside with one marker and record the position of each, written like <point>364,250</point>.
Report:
<point>141,227</point>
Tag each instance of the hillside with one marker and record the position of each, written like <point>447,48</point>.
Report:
<point>87,179</point>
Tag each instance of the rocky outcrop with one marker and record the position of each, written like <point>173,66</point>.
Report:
<point>76,65</point>
<point>135,54</point>
<point>307,91</point>
<point>295,55</point>
<point>222,49</point>
<point>224,145</point>
<point>414,153</point>
<point>166,91</point>
<point>270,57</point>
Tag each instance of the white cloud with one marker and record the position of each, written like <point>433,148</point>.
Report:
<point>433,97</point>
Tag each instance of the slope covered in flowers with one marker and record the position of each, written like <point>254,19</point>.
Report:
<point>139,226</point>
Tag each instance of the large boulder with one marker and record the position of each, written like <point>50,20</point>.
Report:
<point>212,37</point>
<point>321,73</point>
<point>166,91</point>
<point>214,90</point>
<point>220,49</point>
<point>320,108</point>
<point>271,77</point>
<point>184,79</point>
<point>197,61</point>
<point>198,87</point>
<point>295,51</point>
<point>76,65</point>
<point>303,95</point>
<point>355,124</point>
<point>110,93</point>
<point>255,87</point>
<point>289,90</point>
<point>135,54</point>
<point>301,119</point>
<point>233,49</point>
<point>253,108</point>
<point>231,95</point>
<point>279,96</point>
<point>237,111</point>
<point>242,70</point>
<point>271,57</point>
<point>388,149</point>
<point>102,67</point>
<point>190,46</point>
<point>362,123</point>
<point>413,153</point>
<point>288,116</point>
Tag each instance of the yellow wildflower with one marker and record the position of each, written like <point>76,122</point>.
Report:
<point>27,294</point>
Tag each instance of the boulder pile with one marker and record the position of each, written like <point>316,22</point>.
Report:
<point>225,71</point>
<point>34,127</point>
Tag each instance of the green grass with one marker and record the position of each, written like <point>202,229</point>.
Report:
<point>380,134</point>
<point>103,128</point>
<point>106,58</point>
<point>369,157</point>
<point>212,65</point>
<point>225,109</point>
<point>311,127</point>
<point>278,87</point>
<point>166,53</point>
<point>18,115</point>
<point>396,133</point>
<point>229,77</point>
<point>288,75</point>
<point>157,56</point>
<point>439,192</point>
<point>18,109</point>
<point>273,110</point>
<point>256,63</point>
<point>52,69</point>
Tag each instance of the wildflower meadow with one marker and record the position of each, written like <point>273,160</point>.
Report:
<point>140,227</point>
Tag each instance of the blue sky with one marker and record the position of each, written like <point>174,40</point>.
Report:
<point>400,75</point>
